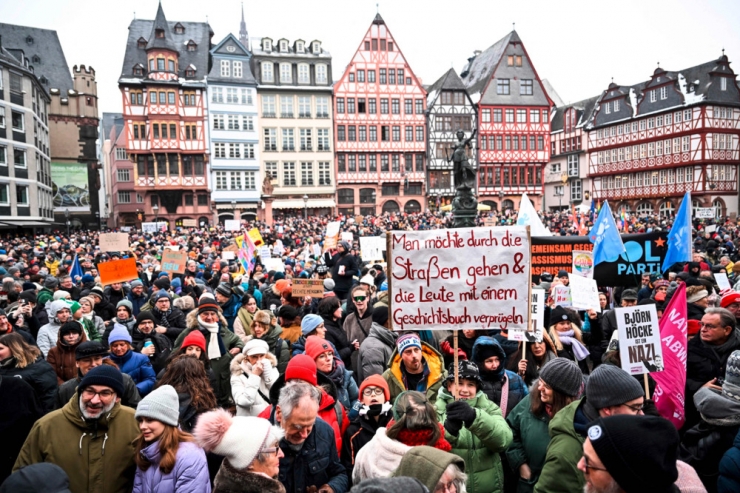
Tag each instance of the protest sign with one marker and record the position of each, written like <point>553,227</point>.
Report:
<point>711,228</point>
<point>256,237</point>
<point>264,252</point>
<point>584,293</point>
<point>704,212</point>
<point>125,229</point>
<point>561,296</point>
<point>308,287</point>
<point>117,271</point>
<point>490,222</point>
<point>332,235</point>
<point>583,263</point>
<point>231,248</point>
<point>114,242</point>
<point>190,223</point>
<point>722,281</point>
<point>348,237</point>
<point>232,225</point>
<point>154,227</point>
<point>225,255</point>
<point>466,278</point>
<point>275,264</point>
<point>639,339</point>
<point>670,384</point>
<point>372,247</point>
<point>536,319</point>
<point>174,261</point>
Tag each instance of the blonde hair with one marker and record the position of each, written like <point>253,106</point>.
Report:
<point>24,354</point>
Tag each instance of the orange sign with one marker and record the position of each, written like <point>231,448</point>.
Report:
<point>117,271</point>
<point>174,261</point>
<point>308,287</point>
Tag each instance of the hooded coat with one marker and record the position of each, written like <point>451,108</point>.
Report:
<point>480,445</point>
<point>39,375</point>
<point>19,410</point>
<point>98,456</point>
<point>427,464</point>
<point>249,391</point>
<point>729,469</point>
<point>375,351</point>
<point>529,444</point>
<point>343,268</point>
<point>230,480</point>
<point>357,327</point>
<point>190,474</point>
<point>62,358</point>
<point>437,374</point>
<point>138,367</point>
<point>495,382</point>
<point>49,333</point>
<point>336,335</point>
<point>379,457</point>
<point>230,310</point>
<point>359,433</point>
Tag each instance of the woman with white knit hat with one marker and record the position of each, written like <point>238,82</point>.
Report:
<point>167,459</point>
<point>251,450</point>
<point>252,374</point>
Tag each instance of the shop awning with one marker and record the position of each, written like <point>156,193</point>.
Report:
<point>299,204</point>
<point>239,205</point>
<point>13,223</point>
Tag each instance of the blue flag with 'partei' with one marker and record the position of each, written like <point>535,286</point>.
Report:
<point>679,238</point>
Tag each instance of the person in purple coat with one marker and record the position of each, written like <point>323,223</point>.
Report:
<point>167,459</point>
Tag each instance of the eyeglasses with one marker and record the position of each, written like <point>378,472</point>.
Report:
<point>271,450</point>
<point>635,407</point>
<point>450,487</point>
<point>359,298</point>
<point>710,326</point>
<point>587,466</point>
<point>373,391</point>
<point>104,394</point>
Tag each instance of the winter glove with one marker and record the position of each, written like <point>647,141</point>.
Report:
<point>449,350</point>
<point>375,410</point>
<point>453,426</point>
<point>649,408</point>
<point>461,410</point>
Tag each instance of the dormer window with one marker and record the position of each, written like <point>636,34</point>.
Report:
<point>141,43</point>
<point>190,71</point>
<point>283,46</point>
<point>36,59</point>
<point>179,28</point>
<point>299,48</point>
<point>192,46</point>
<point>267,45</point>
<point>139,71</point>
<point>29,40</point>
<point>316,48</point>
<point>159,33</point>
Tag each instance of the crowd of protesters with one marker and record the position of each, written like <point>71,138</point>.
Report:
<point>222,380</point>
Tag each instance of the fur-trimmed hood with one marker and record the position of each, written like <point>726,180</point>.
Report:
<point>556,339</point>
<point>240,364</point>
<point>230,480</point>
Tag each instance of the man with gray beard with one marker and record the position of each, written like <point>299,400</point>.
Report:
<point>91,437</point>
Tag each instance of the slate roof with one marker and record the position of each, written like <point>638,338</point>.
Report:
<point>219,51</point>
<point>480,68</point>
<point>584,110</point>
<point>449,81</point>
<point>45,44</point>
<point>160,22</point>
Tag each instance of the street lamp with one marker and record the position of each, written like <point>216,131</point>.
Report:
<point>501,200</point>
<point>155,210</point>
<point>100,225</point>
<point>233,209</point>
<point>374,207</point>
<point>305,207</point>
<point>66,219</point>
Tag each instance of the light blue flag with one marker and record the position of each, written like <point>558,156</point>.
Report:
<point>76,271</point>
<point>608,244</point>
<point>679,238</point>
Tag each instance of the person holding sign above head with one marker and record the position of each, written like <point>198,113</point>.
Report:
<point>566,335</point>
<point>415,365</point>
<point>609,391</point>
<point>344,266</point>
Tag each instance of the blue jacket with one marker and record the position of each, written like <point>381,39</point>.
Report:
<point>190,474</point>
<point>138,367</point>
<point>316,464</point>
<point>137,301</point>
<point>230,309</point>
<point>729,469</point>
<point>493,382</point>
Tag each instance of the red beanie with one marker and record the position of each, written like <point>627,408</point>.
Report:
<point>729,298</point>
<point>694,326</point>
<point>195,338</point>
<point>315,346</point>
<point>376,381</point>
<point>301,367</point>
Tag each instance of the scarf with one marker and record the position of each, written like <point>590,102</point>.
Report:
<point>416,438</point>
<point>578,348</point>
<point>336,374</point>
<point>216,347</point>
<point>163,317</point>
<point>88,316</point>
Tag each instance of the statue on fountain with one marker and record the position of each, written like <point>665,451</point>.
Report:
<point>465,204</point>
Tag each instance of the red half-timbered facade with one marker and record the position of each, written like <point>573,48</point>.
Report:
<point>165,118</point>
<point>379,129</point>
<point>513,123</point>
<point>677,132</point>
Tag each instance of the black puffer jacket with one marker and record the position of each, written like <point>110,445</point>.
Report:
<point>348,265</point>
<point>40,375</point>
<point>162,347</point>
<point>336,335</point>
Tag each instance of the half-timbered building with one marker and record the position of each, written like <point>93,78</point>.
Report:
<point>379,129</point>
<point>163,86</point>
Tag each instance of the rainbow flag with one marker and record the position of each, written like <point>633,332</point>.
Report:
<point>246,254</point>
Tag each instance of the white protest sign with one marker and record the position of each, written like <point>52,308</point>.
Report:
<point>537,319</point>
<point>372,247</point>
<point>275,264</point>
<point>722,281</point>
<point>232,225</point>
<point>125,229</point>
<point>465,278</point>
<point>348,237</point>
<point>225,255</point>
<point>332,235</point>
<point>114,242</point>
<point>639,339</point>
<point>583,263</point>
<point>561,295</point>
<point>711,228</point>
<point>704,212</point>
<point>190,223</point>
<point>264,253</point>
<point>584,293</point>
<point>149,227</point>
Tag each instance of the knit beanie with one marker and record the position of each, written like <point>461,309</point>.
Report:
<point>609,385</point>
<point>90,300</point>
<point>61,295</point>
<point>106,375</point>
<point>309,323</point>
<point>376,381</point>
<point>729,298</point>
<point>89,349</point>
<point>380,315</point>
<point>281,285</point>
<point>697,296</point>
<point>694,326</point>
<point>564,376</point>
<point>639,452</point>
<point>119,333</point>
<point>70,327</point>
<point>224,289</point>
<point>255,346</point>
<point>136,283</point>
<point>73,306</point>
<point>159,295</point>
<point>386,485</point>
<point>315,346</point>
<point>42,476</point>
<point>163,283</point>
<point>194,338</point>
<point>731,385</point>
<point>97,291</point>
<point>487,347</point>
<point>208,304</point>
<point>239,439</point>
<point>427,464</point>
<point>50,282</point>
<point>301,367</point>
<point>329,284</point>
<point>147,315</point>
<point>406,341</point>
<point>558,314</point>
<point>161,404</point>
<point>126,303</point>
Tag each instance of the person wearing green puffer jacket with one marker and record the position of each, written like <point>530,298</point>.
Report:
<point>475,427</point>
<point>559,384</point>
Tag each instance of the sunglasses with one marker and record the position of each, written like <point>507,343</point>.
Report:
<point>360,298</point>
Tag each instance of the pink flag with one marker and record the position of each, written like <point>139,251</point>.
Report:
<point>671,382</point>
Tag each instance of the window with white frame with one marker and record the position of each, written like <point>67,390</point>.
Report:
<point>271,170</point>
<point>219,150</point>
<point>248,151</point>
<point>249,180</point>
<point>233,122</point>
<point>288,139</point>
<point>304,106</point>
<point>687,115</point>
<point>232,95</point>
<point>322,138</point>
<point>286,76</point>
<point>267,72</point>
<point>217,95</point>
<point>303,74</point>
<point>616,105</point>
<point>289,174</point>
<point>218,122</point>
<point>139,198</point>
<point>237,68</point>
<point>123,175</point>
<point>322,107</point>
<point>607,108</point>
<point>247,122</point>
<point>321,73</point>
<point>4,193</point>
<point>246,96</point>
<point>573,165</point>
<point>685,142</point>
<point>306,139</point>
<point>18,121</point>
<point>286,106</point>
<point>268,106</point>
<point>325,173</point>
<point>124,197</point>
<point>121,154</point>
<point>664,92</point>
<point>235,181</point>
<point>270,140</point>
<point>225,68</point>
<point>653,96</point>
<point>234,150</point>
<point>221,181</point>
<point>559,190</point>
<point>723,83</point>
<point>306,174</point>
<point>576,189</point>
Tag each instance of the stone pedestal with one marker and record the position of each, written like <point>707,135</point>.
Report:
<point>267,209</point>
<point>464,208</point>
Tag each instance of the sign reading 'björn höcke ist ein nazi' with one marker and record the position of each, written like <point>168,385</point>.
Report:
<point>466,278</point>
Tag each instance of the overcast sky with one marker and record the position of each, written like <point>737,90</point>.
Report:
<point>578,45</point>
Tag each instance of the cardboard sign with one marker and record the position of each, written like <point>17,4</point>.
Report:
<point>704,212</point>
<point>466,278</point>
<point>584,293</point>
<point>228,255</point>
<point>117,271</point>
<point>264,252</point>
<point>174,262</point>
<point>561,295</point>
<point>231,248</point>
<point>372,247</point>
<point>332,235</point>
<point>348,237</point>
<point>490,222</point>
<point>114,242</point>
<point>190,223</point>
<point>583,263</point>
<point>308,287</point>
<point>722,281</point>
<point>275,264</point>
<point>640,348</point>
<point>536,319</point>
<point>256,237</point>
<point>232,225</point>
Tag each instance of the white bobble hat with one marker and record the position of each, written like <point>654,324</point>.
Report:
<point>239,439</point>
